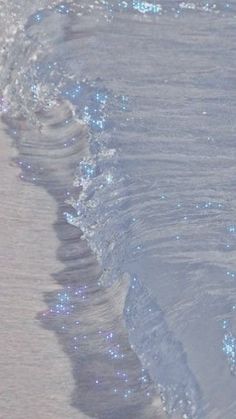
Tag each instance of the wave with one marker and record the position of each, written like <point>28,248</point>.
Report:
<point>65,127</point>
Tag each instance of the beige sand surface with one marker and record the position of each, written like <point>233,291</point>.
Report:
<point>35,375</point>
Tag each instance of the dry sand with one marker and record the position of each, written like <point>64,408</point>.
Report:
<point>35,375</point>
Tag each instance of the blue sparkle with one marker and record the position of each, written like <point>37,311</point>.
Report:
<point>63,9</point>
<point>146,7</point>
<point>231,229</point>
<point>229,349</point>
<point>88,170</point>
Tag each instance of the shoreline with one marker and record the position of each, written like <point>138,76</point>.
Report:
<point>36,377</point>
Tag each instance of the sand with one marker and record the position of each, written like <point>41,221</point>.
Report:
<point>35,375</point>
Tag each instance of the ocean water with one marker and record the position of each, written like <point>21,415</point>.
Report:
<point>124,111</point>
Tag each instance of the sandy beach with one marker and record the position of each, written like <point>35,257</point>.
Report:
<point>35,375</point>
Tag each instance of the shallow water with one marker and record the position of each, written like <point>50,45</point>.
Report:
<point>124,113</point>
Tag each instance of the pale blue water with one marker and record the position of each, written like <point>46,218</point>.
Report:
<point>125,113</point>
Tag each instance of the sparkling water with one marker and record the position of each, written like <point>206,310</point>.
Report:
<point>124,112</point>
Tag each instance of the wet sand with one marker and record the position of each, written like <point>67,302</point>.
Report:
<point>35,375</point>
<point>36,379</point>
